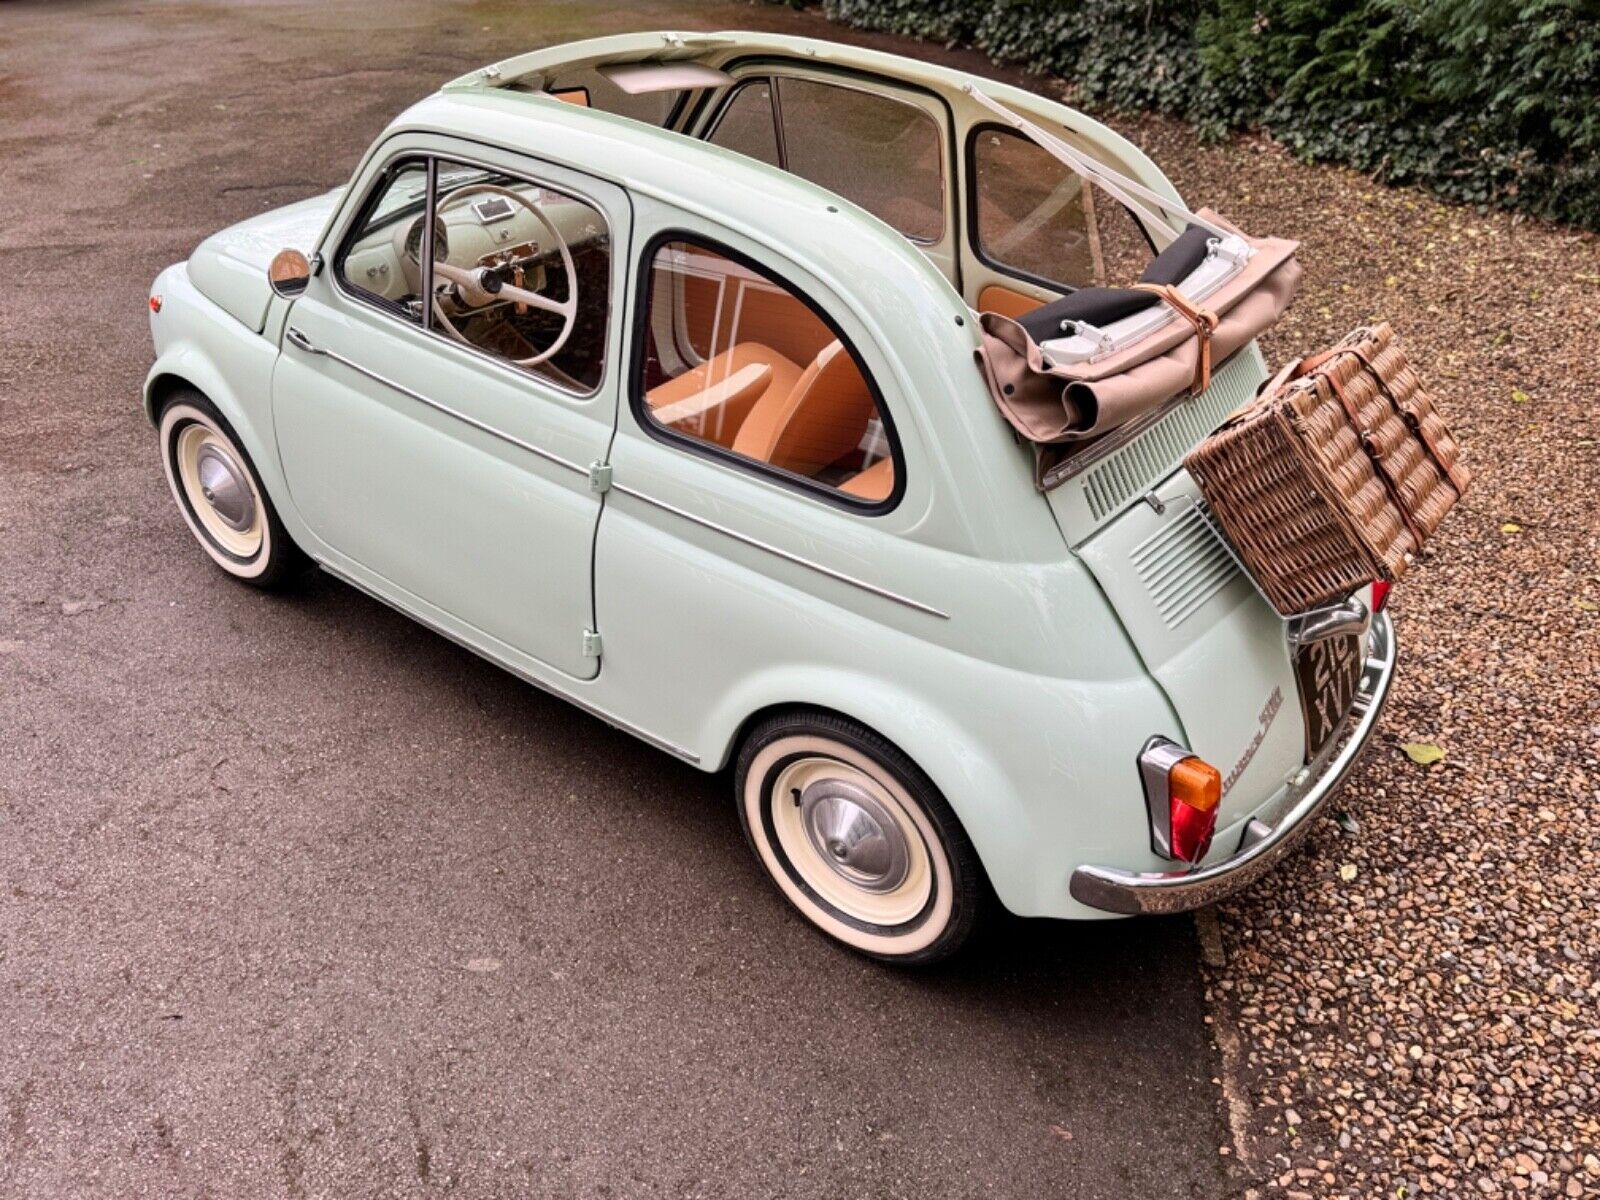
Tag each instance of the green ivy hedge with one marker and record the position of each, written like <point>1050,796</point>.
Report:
<point>1487,101</point>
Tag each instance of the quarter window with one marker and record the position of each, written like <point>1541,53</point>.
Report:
<point>737,362</point>
<point>875,150</point>
<point>377,261</point>
<point>521,271</point>
<point>1038,217</point>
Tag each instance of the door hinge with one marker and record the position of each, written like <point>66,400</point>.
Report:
<point>599,478</point>
<point>591,644</point>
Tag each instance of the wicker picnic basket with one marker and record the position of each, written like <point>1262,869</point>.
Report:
<point>1334,475</point>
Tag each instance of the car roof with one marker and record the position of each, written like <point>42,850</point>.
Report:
<point>764,202</point>
<point>532,71</point>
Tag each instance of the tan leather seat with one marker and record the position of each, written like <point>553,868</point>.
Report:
<point>1008,302</point>
<point>820,420</point>
<point>739,378</point>
<point>875,483</point>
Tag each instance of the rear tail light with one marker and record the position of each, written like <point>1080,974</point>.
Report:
<point>1380,594</point>
<point>1196,790</point>
<point>155,304</point>
<point>1182,793</point>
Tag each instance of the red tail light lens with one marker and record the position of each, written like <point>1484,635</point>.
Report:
<point>1195,791</point>
<point>155,304</point>
<point>1380,594</point>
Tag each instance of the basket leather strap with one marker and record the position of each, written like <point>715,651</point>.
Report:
<point>1364,436</point>
<point>1451,471</point>
<point>1203,320</point>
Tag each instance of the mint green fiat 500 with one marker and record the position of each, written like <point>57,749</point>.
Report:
<point>645,368</point>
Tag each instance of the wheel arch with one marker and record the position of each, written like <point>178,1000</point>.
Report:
<point>185,364</point>
<point>964,771</point>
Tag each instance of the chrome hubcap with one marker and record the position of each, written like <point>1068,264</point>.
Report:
<point>223,485</point>
<point>854,834</point>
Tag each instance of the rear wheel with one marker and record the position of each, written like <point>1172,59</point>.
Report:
<point>858,838</point>
<point>220,496</point>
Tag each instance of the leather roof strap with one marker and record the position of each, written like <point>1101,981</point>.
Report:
<point>1203,320</point>
<point>1364,436</point>
<point>1457,477</point>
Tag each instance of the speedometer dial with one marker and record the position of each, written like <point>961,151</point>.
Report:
<point>441,243</point>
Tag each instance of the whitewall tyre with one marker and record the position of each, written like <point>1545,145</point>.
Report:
<point>215,487</point>
<point>857,838</point>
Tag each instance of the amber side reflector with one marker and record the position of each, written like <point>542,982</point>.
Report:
<point>1194,792</point>
<point>155,303</point>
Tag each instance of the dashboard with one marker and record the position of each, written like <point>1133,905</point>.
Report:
<point>485,230</point>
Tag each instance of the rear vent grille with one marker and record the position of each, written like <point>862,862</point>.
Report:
<point>1183,564</point>
<point>1130,471</point>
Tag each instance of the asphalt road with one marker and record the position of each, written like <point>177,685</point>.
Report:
<point>298,899</point>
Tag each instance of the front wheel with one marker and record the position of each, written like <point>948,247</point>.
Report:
<point>220,496</point>
<point>858,838</point>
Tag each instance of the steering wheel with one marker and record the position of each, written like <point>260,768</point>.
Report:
<point>479,286</point>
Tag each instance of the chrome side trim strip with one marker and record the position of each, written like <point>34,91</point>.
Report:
<point>298,339</point>
<point>611,719</point>
<point>779,552</point>
<point>302,342</point>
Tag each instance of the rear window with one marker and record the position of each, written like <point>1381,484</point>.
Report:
<point>1038,218</point>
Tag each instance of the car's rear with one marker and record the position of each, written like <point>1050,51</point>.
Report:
<point>1273,712</point>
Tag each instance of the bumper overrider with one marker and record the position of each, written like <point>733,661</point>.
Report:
<point>1264,841</point>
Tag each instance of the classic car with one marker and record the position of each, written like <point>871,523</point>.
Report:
<point>645,368</point>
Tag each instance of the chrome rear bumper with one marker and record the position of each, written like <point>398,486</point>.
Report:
<point>1262,844</point>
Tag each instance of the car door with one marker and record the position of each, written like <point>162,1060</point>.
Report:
<point>444,458</point>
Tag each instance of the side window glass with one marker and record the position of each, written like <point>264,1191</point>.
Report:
<point>522,272</point>
<point>734,359</point>
<point>382,258</point>
<point>877,151</point>
<point>746,125</point>
<point>1038,217</point>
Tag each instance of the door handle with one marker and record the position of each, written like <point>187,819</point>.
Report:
<point>300,340</point>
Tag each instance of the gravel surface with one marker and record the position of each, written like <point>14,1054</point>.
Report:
<point>1412,1007</point>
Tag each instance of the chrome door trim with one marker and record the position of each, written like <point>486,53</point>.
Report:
<point>611,719</point>
<point>779,552</point>
<point>298,339</point>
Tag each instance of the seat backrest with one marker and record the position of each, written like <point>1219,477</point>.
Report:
<point>820,420</point>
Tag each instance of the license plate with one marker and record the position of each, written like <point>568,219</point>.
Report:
<point>1327,673</point>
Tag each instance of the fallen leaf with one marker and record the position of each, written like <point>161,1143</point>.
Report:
<point>1064,1134</point>
<point>1391,280</point>
<point>1347,872</point>
<point>1422,753</point>
<point>1511,527</point>
<point>1585,605</point>
<point>1346,822</point>
<point>1519,396</point>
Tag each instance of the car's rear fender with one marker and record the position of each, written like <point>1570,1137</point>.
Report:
<point>1040,771</point>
